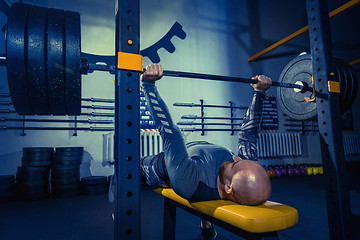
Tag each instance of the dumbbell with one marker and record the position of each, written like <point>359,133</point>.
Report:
<point>303,170</point>
<point>297,170</point>
<point>309,169</point>
<point>277,171</point>
<point>290,170</point>
<point>315,169</point>
<point>271,171</point>
<point>283,170</point>
<point>321,169</point>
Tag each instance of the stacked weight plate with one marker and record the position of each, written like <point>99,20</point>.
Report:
<point>94,185</point>
<point>7,188</point>
<point>65,172</point>
<point>43,50</point>
<point>33,176</point>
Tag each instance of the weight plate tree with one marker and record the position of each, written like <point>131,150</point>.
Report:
<point>43,60</point>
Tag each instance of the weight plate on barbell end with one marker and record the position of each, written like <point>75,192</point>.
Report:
<point>290,101</point>
<point>345,85</point>
<point>351,88</point>
<point>355,86</point>
<point>55,61</point>
<point>72,63</point>
<point>36,60</point>
<point>340,73</point>
<point>16,64</point>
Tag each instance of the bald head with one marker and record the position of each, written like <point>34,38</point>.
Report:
<point>245,182</point>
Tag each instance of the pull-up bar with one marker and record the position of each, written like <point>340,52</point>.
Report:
<point>332,14</point>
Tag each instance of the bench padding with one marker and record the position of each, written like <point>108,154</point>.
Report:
<point>268,217</point>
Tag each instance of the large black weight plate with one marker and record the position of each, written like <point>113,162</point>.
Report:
<point>291,102</point>
<point>6,189</point>
<point>66,169</point>
<point>33,185</point>
<point>350,88</point>
<point>36,60</point>
<point>94,190</point>
<point>36,162</point>
<point>355,87</point>
<point>31,179</point>
<point>67,160</point>
<point>69,154</point>
<point>26,170</point>
<point>37,156</point>
<point>69,149</point>
<point>7,179</point>
<point>342,80</point>
<point>55,61</point>
<point>65,179</point>
<point>94,180</point>
<point>43,60</point>
<point>346,84</point>
<point>16,63</point>
<point>351,81</point>
<point>38,149</point>
<point>72,63</point>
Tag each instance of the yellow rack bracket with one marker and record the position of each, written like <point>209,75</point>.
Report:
<point>306,99</point>
<point>130,61</point>
<point>334,87</point>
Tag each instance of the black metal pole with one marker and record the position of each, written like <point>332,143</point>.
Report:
<point>89,121</point>
<point>127,125</point>
<point>214,118</point>
<point>209,124</point>
<point>330,126</point>
<point>206,105</point>
<point>92,129</point>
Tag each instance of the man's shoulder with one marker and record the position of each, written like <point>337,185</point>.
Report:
<point>197,143</point>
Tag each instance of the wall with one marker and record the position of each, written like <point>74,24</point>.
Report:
<point>221,36</point>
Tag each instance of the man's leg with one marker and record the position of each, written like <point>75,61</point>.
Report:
<point>152,174</point>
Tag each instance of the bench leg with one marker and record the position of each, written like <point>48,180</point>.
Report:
<point>169,220</point>
<point>271,236</point>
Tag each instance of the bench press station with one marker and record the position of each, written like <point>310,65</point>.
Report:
<point>249,222</point>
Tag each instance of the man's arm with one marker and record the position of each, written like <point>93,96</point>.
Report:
<point>247,144</point>
<point>181,170</point>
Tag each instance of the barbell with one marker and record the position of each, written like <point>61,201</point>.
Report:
<point>44,66</point>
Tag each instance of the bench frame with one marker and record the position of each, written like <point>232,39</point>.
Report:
<point>169,224</point>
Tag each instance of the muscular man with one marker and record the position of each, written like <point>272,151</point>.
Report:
<point>200,171</point>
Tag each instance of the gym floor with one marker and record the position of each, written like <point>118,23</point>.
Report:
<point>89,217</point>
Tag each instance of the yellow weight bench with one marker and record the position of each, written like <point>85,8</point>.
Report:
<point>249,222</point>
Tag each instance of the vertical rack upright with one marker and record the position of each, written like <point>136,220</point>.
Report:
<point>329,120</point>
<point>127,125</point>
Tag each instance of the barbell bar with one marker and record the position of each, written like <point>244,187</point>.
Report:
<point>169,73</point>
<point>44,64</point>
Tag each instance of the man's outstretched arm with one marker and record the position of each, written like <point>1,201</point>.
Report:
<point>180,168</point>
<point>247,144</point>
